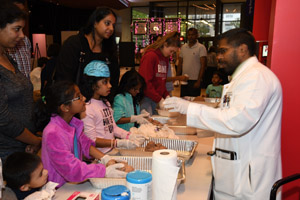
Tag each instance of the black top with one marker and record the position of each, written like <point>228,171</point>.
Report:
<point>47,74</point>
<point>68,60</point>
<point>16,109</point>
<point>22,195</point>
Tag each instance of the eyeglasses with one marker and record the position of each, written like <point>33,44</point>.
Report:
<point>80,97</point>
<point>222,50</point>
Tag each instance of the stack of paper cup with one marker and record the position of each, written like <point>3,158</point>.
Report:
<point>164,173</point>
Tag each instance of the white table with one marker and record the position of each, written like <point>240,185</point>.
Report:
<point>198,175</point>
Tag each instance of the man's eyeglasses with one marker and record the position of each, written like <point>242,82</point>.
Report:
<point>222,50</point>
<point>80,97</point>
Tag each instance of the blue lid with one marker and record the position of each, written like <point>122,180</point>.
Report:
<point>116,192</point>
<point>139,177</point>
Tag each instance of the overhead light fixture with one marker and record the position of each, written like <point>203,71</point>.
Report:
<point>209,6</point>
<point>203,8</point>
<point>124,2</point>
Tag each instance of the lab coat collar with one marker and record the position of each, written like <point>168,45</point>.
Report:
<point>243,66</point>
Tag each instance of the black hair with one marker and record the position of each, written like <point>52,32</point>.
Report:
<point>194,30</point>
<point>53,50</point>
<point>42,61</point>
<point>109,46</point>
<point>239,36</point>
<point>88,86</point>
<point>218,73</point>
<point>10,13</point>
<point>130,80</point>
<point>19,1</point>
<point>18,167</point>
<point>57,94</point>
<point>212,49</point>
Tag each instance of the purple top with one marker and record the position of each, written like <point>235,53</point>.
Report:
<point>58,152</point>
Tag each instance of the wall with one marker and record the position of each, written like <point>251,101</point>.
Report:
<point>261,19</point>
<point>123,24</point>
<point>283,34</point>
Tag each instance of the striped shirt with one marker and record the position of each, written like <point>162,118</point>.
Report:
<point>21,54</point>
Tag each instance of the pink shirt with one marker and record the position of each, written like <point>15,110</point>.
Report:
<point>99,122</point>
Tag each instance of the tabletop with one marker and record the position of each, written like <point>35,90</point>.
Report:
<point>196,185</point>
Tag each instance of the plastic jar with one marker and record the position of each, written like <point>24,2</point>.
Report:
<point>116,192</point>
<point>140,185</point>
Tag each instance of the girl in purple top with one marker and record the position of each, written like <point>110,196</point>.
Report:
<point>64,144</point>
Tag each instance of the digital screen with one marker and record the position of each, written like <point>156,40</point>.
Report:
<point>265,50</point>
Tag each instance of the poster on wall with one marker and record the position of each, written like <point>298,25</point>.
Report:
<point>156,28</point>
<point>171,26</point>
<point>140,28</point>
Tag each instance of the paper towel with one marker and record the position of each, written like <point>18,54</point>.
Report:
<point>164,174</point>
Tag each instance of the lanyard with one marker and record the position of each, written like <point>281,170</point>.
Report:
<point>75,147</point>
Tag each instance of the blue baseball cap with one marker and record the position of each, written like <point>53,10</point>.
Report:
<point>97,68</point>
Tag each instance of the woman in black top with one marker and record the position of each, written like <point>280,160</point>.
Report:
<point>96,41</point>
<point>16,102</point>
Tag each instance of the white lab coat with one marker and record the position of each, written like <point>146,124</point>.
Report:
<point>250,125</point>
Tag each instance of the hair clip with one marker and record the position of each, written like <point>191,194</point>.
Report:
<point>44,99</point>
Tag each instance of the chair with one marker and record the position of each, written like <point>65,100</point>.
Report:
<point>281,182</point>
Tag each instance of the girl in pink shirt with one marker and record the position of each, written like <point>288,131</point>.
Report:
<point>98,118</point>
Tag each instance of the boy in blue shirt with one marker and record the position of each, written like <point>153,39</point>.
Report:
<point>214,90</point>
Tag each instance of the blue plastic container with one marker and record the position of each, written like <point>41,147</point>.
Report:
<point>116,192</point>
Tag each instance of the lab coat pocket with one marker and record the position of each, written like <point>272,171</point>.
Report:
<point>227,175</point>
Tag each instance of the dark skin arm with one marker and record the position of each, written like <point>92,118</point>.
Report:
<point>201,72</point>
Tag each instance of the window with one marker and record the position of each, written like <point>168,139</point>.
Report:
<point>231,16</point>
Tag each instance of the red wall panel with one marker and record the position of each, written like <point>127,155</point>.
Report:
<point>284,43</point>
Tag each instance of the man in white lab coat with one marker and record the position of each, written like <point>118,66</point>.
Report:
<point>247,159</point>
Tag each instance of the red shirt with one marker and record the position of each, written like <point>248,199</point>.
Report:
<point>154,69</point>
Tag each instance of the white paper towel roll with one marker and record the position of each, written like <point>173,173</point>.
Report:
<point>164,174</point>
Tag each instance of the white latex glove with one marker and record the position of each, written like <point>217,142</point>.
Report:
<point>127,144</point>
<point>106,158</point>
<point>145,112</point>
<point>140,119</point>
<point>113,172</point>
<point>177,104</point>
<point>137,138</point>
<point>161,104</point>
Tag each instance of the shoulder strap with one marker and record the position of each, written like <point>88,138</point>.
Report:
<point>81,61</point>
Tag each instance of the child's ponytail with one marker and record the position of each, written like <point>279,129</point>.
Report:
<point>59,93</point>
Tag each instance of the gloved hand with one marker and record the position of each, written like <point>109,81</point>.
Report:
<point>127,144</point>
<point>145,112</point>
<point>140,119</point>
<point>137,138</point>
<point>177,105</point>
<point>106,158</point>
<point>161,104</point>
<point>113,172</point>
